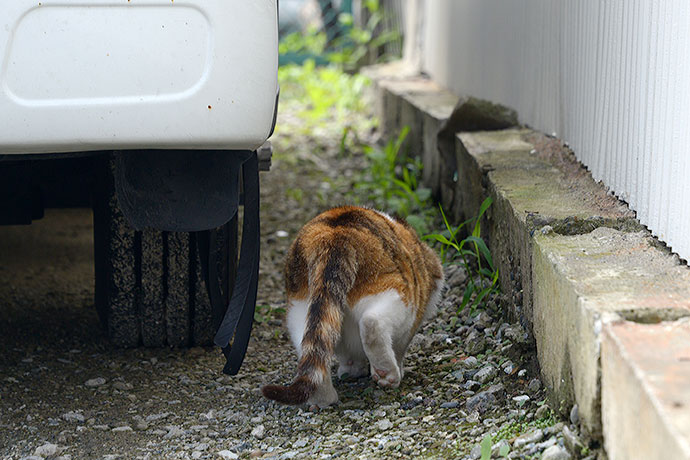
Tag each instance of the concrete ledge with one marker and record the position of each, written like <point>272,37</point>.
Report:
<point>646,395</point>
<point>578,265</point>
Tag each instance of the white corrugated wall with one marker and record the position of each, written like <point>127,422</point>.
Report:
<point>610,77</point>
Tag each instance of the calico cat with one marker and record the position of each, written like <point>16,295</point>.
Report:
<point>359,284</point>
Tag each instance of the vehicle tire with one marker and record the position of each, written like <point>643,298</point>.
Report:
<point>149,284</point>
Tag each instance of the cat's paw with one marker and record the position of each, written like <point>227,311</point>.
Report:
<point>386,379</point>
<point>324,396</point>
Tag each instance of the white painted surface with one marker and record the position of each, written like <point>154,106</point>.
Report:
<point>95,74</point>
<point>611,78</point>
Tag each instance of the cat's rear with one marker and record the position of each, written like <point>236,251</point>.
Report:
<point>359,283</point>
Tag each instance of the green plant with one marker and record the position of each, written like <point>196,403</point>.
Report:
<point>473,254</point>
<point>351,48</point>
<point>265,313</point>
<point>348,49</point>
<point>324,100</point>
<point>390,183</point>
<point>487,444</point>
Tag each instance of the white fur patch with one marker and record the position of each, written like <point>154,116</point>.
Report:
<point>386,215</point>
<point>296,321</point>
<point>386,305</point>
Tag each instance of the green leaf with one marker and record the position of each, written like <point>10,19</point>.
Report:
<point>486,447</point>
<point>482,209</point>
<point>441,239</point>
<point>479,243</point>
<point>423,194</point>
<point>466,296</point>
<point>401,138</point>
<point>480,297</point>
<point>504,450</point>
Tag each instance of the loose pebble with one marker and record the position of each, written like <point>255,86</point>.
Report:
<point>97,382</point>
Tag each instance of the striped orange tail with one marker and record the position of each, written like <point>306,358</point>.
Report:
<point>333,276</point>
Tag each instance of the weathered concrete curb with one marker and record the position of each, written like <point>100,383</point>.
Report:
<point>577,262</point>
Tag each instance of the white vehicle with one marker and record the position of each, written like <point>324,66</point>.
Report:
<point>148,110</point>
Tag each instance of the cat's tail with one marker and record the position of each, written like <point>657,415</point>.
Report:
<point>331,276</point>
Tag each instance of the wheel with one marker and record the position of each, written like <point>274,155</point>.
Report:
<point>149,284</point>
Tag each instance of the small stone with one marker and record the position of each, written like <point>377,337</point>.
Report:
<point>450,405</point>
<point>122,386</point>
<point>548,443</point>
<point>154,417</point>
<point>555,453</point>
<point>259,432</point>
<point>282,234</point>
<point>515,334</point>
<point>508,367</point>
<point>122,429</point>
<point>300,443</point>
<point>527,438</point>
<point>174,432</point>
<point>97,382</point>
<point>554,429</point>
<point>481,402</point>
<point>521,399</point>
<point>384,424</point>
<point>476,346</point>
<point>46,450</point>
<point>141,425</point>
<point>542,411</point>
<point>196,454</point>
<point>210,415</point>
<point>485,374</point>
<point>73,417</point>
<point>572,441</point>
<point>522,373</point>
<point>458,375</point>
<point>496,448</point>
<point>472,385</point>
<point>471,361</point>
<point>534,385</point>
<point>456,276</point>
<point>575,415</point>
<point>228,455</point>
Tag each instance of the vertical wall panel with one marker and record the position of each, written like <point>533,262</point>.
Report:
<point>610,77</point>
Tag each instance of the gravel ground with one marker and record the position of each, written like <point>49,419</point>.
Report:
<point>66,393</point>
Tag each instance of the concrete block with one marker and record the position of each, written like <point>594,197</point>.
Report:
<point>583,282</point>
<point>533,183</point>
<point>646,390</point>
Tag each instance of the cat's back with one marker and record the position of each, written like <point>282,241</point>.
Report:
<point>386,251</point>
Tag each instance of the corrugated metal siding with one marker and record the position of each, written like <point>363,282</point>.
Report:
<point>612,78</point>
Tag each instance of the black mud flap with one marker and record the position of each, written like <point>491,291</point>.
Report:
<point>178,190</point>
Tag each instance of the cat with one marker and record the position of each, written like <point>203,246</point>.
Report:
<point>359,284</point>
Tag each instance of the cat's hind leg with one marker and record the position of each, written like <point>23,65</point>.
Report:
<point>383,316</point>
<point>352,362</point>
